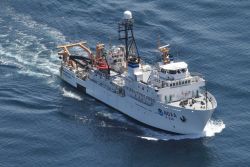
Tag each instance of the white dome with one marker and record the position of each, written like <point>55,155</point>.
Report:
<point>127,15</point>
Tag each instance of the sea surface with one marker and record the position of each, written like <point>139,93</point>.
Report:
<point>46,122</point>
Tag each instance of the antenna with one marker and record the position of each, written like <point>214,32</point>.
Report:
<point>125,30</point>
<point>165,53</point>
<point>206,93</point>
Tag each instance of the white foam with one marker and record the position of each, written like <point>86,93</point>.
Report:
<point>148,138</point>
<point>33,73</point>
<point>27,48</point>
<point>30,23</point>
<point>212,127</point>
<point>5,61</point>
<point>83,119</point>
<point>104,114</point>
<point>3,35</point>
<point>114,116</point>
<point>70,94</point>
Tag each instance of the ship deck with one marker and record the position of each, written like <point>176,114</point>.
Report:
<point>198,103</point>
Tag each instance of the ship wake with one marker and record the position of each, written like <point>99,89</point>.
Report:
<point>27,45</point>
<point>212,128</point>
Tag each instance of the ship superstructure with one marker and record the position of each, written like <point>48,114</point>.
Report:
<point>165,96</point>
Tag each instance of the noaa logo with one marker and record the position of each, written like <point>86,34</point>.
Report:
<point>167,114</point>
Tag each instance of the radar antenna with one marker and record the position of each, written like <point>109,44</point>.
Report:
<point>165,53</point>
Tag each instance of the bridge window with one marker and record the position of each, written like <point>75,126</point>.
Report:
<point>183,70</point>
<point>163,71</point>
<point>172,72</point>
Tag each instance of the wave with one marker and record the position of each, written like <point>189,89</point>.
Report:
<point>71,94</point>
<point>211,129</point>
<point>28,22</point>
<point>30,44</point>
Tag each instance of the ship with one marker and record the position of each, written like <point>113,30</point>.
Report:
<point>165,95</point>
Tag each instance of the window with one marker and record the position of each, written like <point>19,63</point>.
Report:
<point>166,99</point>
<point>172,72</point>
<point>163,71</point>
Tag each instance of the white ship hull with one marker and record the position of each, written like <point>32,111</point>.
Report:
<point>159,115</point>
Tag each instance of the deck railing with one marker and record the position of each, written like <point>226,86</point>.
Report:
<point>212,99</point>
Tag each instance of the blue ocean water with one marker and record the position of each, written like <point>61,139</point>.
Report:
<point>45,122</point>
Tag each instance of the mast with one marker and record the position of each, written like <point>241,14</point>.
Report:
<point>125,30</point>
